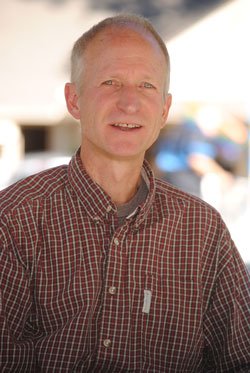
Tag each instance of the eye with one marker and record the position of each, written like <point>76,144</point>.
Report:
<point>108,82</point>
<point>147,85</point>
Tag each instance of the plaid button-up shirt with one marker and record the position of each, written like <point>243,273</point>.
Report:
<point>165,292</point>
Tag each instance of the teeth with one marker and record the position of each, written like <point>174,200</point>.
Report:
<point>127,125</point>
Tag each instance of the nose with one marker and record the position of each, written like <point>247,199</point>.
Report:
<point>128,100</point>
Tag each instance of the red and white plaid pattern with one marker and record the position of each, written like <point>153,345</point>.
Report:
<point>165,292</point>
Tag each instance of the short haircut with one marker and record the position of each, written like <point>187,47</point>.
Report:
<point>125,20</point>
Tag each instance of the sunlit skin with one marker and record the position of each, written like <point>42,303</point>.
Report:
<point>121,107</point>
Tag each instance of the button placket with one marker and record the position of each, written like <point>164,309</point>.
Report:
<point>110,299</point>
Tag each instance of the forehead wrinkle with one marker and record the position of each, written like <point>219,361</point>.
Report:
<point>120,65</point>
<point>114,69</point>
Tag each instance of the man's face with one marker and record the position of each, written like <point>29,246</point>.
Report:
<point>122,106</point>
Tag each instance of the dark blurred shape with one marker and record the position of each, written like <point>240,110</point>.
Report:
<point>208,142</point>
<point>170,17</point>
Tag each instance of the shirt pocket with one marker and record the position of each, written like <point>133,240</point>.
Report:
<point>174,319</point>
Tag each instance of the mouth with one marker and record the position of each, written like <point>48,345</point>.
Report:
<point>126,126</point>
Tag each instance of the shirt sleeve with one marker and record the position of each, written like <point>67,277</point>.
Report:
<point>16,328</point>
<point>227,319</point>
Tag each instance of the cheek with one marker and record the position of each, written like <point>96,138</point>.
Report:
<point>156,106</point>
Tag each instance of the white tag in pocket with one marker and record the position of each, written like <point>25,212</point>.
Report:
<point>147,301</point>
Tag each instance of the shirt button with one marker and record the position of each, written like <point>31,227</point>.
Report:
<point>112,290</point>
<point>116,241</point>
<point>109,208</point>
<point>107,342</point>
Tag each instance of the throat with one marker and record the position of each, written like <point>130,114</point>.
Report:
<point>119,178</point>
<point>123,211</point>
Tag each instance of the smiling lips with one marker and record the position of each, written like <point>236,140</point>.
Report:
<point>124,126</point>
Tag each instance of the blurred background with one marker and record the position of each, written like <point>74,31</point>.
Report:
<point>205,147</point>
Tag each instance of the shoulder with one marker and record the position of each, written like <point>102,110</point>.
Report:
<point>196,224</point>
<point>167,190</point>
<point>170,201</point>
<point>171,197</point>
<point>35,187</point>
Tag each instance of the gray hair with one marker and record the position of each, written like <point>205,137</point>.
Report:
<point>136,22</point>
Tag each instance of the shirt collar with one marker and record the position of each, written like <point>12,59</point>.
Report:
<point>95,201</point>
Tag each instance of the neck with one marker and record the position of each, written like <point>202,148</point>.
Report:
<point>120,179</point>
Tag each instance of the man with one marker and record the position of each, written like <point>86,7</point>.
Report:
<point>103,267</point>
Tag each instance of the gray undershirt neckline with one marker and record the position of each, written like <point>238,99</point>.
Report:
<point>128,208</point>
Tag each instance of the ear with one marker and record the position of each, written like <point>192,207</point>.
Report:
<point>71,97</point>
<point>166,107</point>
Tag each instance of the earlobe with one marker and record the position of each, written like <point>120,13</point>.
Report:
<point>71,97</point>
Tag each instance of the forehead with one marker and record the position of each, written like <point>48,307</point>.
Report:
<point>126,39</point>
